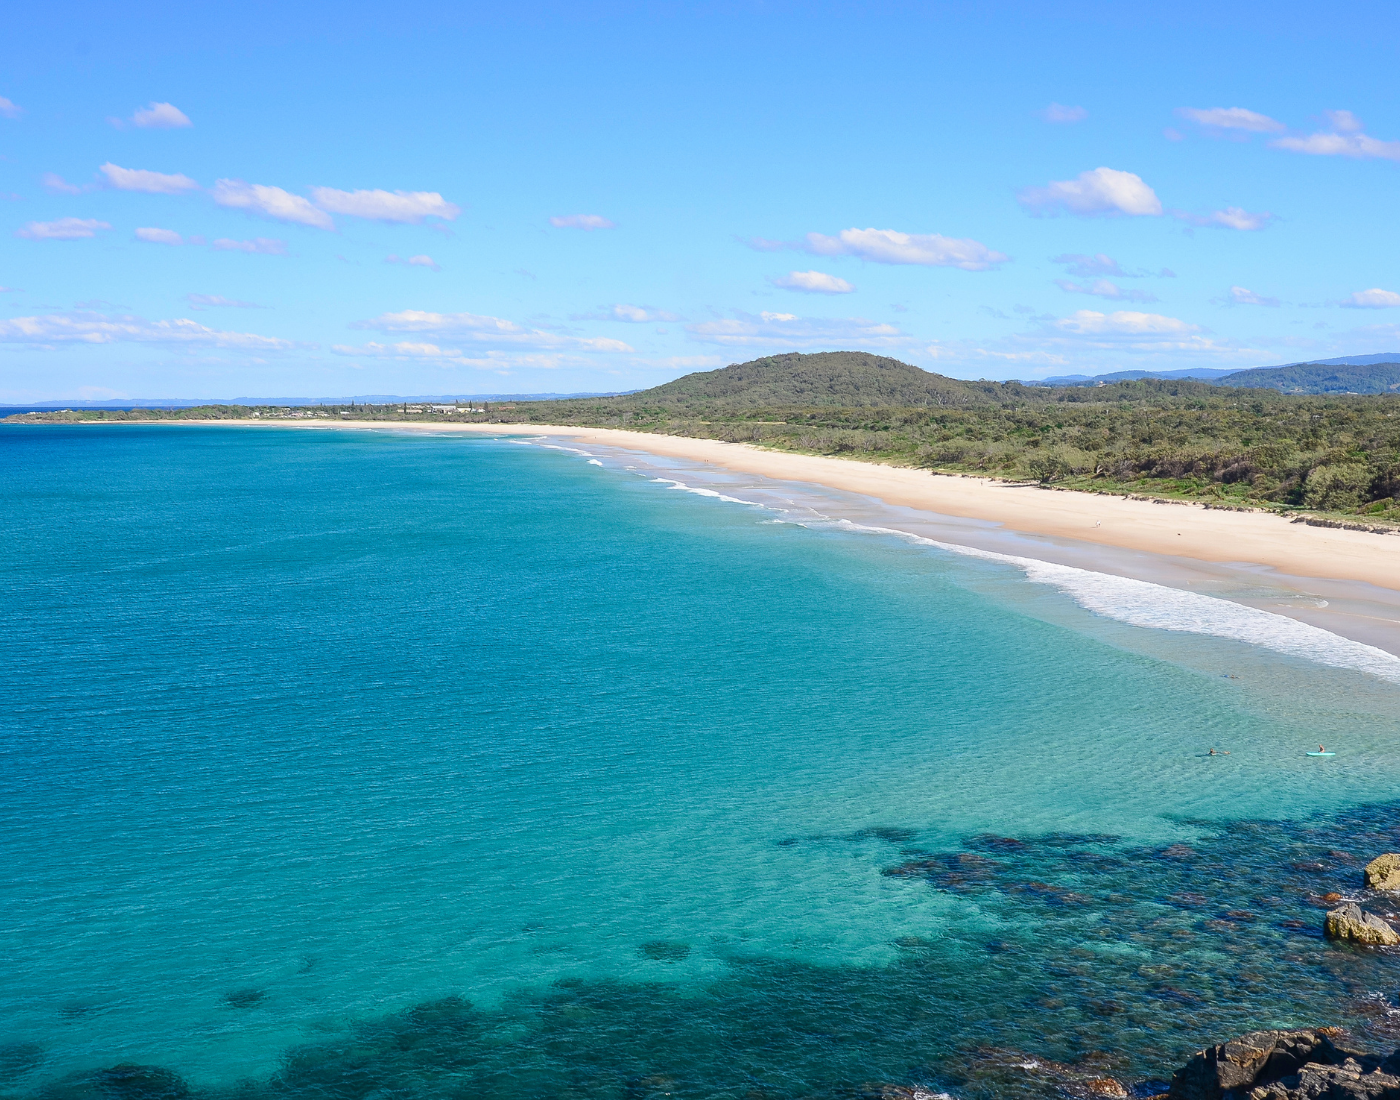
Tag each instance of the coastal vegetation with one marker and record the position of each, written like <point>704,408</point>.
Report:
<point>1335,454</point>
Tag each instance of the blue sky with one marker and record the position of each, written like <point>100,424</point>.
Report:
<point>324,200</point>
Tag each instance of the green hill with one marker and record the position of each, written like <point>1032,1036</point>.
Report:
<point>847,379</point>
<point>1320,378</point>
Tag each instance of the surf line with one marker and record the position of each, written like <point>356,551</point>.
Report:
<point>1160,607</point>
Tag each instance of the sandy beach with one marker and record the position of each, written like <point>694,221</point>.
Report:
<point>1182,530</point>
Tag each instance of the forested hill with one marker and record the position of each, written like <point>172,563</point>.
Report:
<point>847,379</point>
<point>1320,378</point>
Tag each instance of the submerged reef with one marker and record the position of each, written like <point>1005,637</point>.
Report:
<point>1069,965</point>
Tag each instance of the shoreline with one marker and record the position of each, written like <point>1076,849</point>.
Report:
<point>1183,530</point>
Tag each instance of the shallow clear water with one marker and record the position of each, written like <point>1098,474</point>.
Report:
<point>354,764</point>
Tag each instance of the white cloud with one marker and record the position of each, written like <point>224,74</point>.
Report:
<point>787,330</point>
<point>813,282</point>
<point>1101,191</point>
<point>386,206</point>
<point>414,261</point>
<point>1076,263</point>
<point>64,229</point>
<point>637,315</point>
<point>1375,298</point>
<point>485,330</point>
<point>270,202</point>
<point>207,301</point>
<point>141,179</point>
<point>160,116</point>
<point>95,328</point>
<point>57,185</point>
<point>151,235</point>
<point>1102,288</point>
<point>1232,118</point>
<point>1241,296</point>
<point>1088,322</point>
<point>1058,112</point>
<point>889,246</point>
<point>1345,139</point>
<point>1232,217</point>
<point>267,246</point>
<point>9,109</point>
<point>582,221</point>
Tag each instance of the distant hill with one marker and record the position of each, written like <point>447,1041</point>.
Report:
<point>850,379</point>
<point>1320,378</point>
<point>1205,374</point>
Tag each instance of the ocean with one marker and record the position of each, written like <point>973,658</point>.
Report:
<point>352,764</point>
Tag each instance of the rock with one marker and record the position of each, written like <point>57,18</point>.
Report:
<point>1260,1058</point>
<point>1352,923</point>
<point>1349,1081</point>
<point>1383,872</point>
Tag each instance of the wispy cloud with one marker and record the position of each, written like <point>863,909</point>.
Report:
<point>409,207</point>
<point>1232,217</point>
<point>414,261</point>
<point>787,330</point>
<point>1059,113</point>
<point>9,109</point>
<point>1103,288</point>
<point>270,202</point>
<point>890,246</point>
<point>212,301</point>
<point>155,116</point>
<point>1124,323</point>
<point>1375,298</point>
<point>141,179</point>
<point>1242,296</point>
<point>1076,263</point>
<point>152,235</point>
<point>66,329</point>
<point>1102,191</point>
<point>1232,118</point>
<point>55,184</point>
<point>483,329</point>
<point>582,221</point>
<point>634,315</point>
<point>267,246</point>
<point>813,282</point>
<point>1344,139</point>
<point>64,229</point>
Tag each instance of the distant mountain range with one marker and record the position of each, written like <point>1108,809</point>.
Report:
<point>1378,373</point>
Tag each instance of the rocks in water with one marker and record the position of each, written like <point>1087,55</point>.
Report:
<point>1383,872</point>
<point>1306,1064</point>
<point>1353,924</point>
<point>1233,1069</point>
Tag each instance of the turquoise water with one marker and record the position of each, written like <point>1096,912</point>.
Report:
<point>361,764</point>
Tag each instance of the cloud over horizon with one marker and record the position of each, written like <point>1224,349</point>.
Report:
<point>66,329</point>
<point>484,329</point>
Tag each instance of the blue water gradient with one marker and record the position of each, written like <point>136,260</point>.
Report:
<point>306,729</point>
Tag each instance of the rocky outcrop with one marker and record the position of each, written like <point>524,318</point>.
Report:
<point>1383,872</point>
<point>1309,1064</point>
<point>1353,924</point>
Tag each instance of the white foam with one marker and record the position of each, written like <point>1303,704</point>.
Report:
<point>1159,607</point>
<point>594,462</point>
<point>683,487</point>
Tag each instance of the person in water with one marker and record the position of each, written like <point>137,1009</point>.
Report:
<point>1214,753</point>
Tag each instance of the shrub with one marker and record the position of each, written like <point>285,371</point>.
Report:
<point>1336,488</point>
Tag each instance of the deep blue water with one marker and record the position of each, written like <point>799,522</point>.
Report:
<point>364,765</point>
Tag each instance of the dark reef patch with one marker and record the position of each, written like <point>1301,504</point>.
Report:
<point>1070,966</point>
